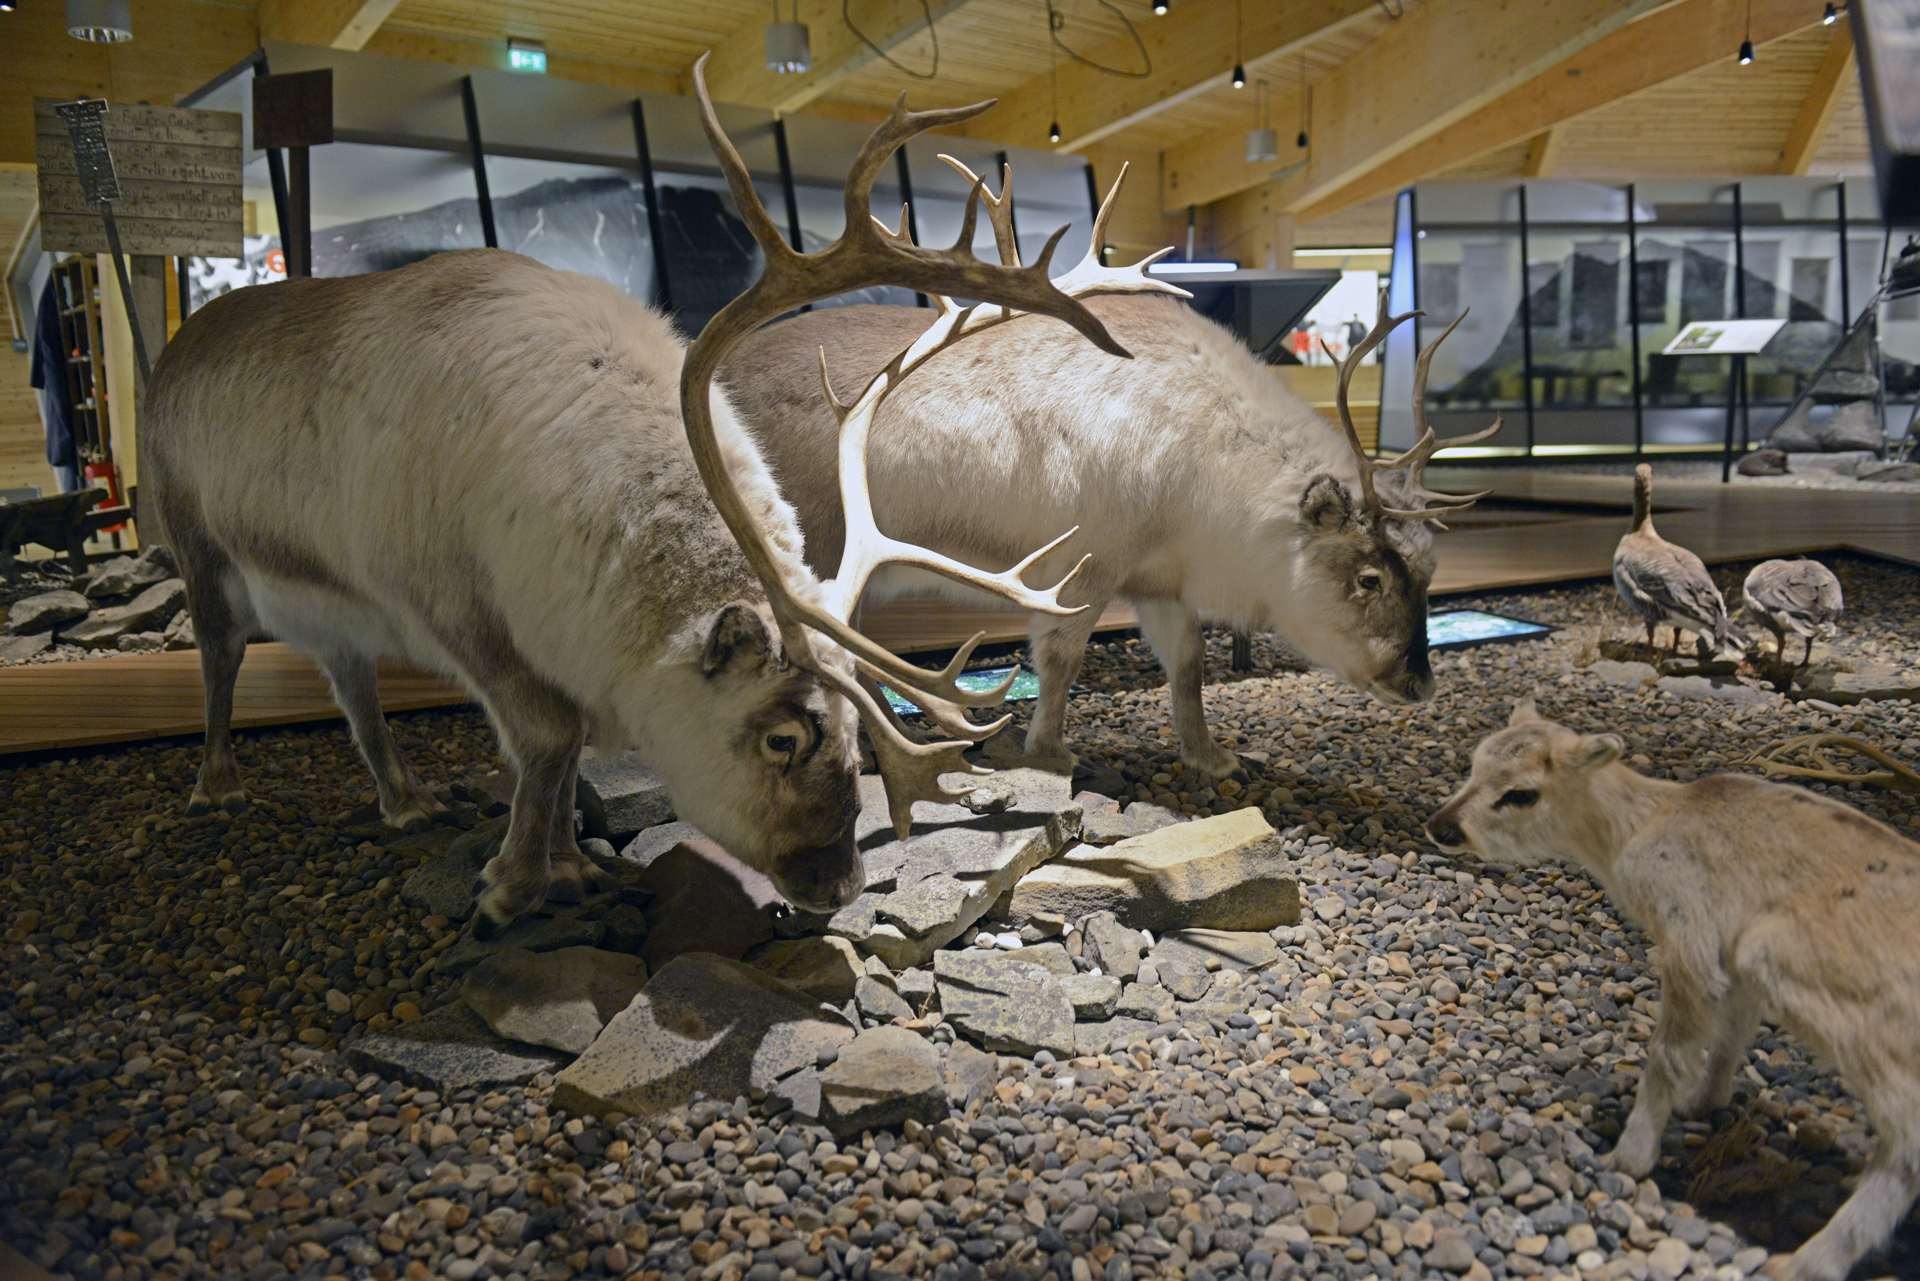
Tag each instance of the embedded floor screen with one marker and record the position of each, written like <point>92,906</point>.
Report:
<point>1455,628</point>
<point>1026,685</point>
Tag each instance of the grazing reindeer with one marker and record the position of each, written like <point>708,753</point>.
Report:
<point>1207,490</point>
<point>1766,901</point>
<point>520,477</point>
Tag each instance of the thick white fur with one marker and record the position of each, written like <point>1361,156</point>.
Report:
<point>1766,902</point>
<point>1184,468</point>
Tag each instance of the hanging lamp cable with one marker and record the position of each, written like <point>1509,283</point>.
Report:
<point>926,10</point>
<point>1056,23</point>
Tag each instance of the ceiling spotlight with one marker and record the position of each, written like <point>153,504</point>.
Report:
<point>1053,132</point>
<point>100,21</point>
<point>1262,145</point>
<point>1300,140</point>
<point>1746,53</point>
<point>1239,76</point>
<point>1160,8</point>
<point>788,53</point>
<point>6,6</point>
<point>1831,16</point>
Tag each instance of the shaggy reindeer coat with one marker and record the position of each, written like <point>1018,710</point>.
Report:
<point>477,464</point>
<point>1201,486</point>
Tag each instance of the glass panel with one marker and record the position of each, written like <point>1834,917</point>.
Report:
<point>1469,202</point>
<point>940,194</point>
<point>208,278</point>
<point>1551,202</point>
<point>1481,367</point>
<point>1684,204</point>
<point>1776,200</point>
<point>381,207</point>
<point>1793,274</point>
<point>1686,274</point>
<point>1582,347</point>
<point>822,151</point>
<point>585,218</point>
<point>1396,379</point>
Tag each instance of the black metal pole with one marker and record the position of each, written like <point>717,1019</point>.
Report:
<point>906,198</point>
<point>662,286</point>
<point>1413,256</point>
<point>1740,291</point>
<point>1633,317</point>
<point>1846,297</point>
<point>277,176</point>
<point>482,193</point>
<point>1736,374</point>
<point>181,277</point>
<point>297,240</point>
<point>787,192</point>
<point>1093,200</point>
<point>1526,319</point>
<point>126,292</point>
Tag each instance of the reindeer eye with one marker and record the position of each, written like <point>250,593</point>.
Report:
<point>1518,798</point>
<point>1370,580</point>
<point>784,744</point>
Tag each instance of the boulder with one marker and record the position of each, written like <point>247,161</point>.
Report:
<point>1148,1002</point>
<point>1764,462</point>
<point>1854,425</point>
<point>882,1078</point>
<point>18,649</point>
<point>970,1074</point>
<point>877,1002</point>
<point>141,643</point>
<point>705,900</point>
<point>1187,980</point>
<point>1093,996</point>
<point>1226,872</point>
<point>1858,683</point>
<point>443,881</point>
<point>561,998</point>
<point>447,1050</point>
<point>1104,1038</point>
<point>703,1024</point>
<point>1217,949</point>
<point>1794,433</point>
<point>179,633</point>
<point>125,575</point>
<point>1875,472</point>
<point>151,610</point>
<point>45,611</point>
<point>1106,822</point>
<point>930,889</point>
<point>1004,1004</point>
<point>544,931</point>
<point>618,796</point>
<point>1114,947</point>
<point>824,967</point>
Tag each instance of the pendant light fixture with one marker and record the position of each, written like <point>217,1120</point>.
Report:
<point>1831,16</point>
<point>1263,144</point>
<point>1160,8</point>
<point>100,21</point>
<point>1239,67</point>
<point>1053,75</point>
<point>1306,106</point>
<point>788,51</point>
<point>1746,43</point>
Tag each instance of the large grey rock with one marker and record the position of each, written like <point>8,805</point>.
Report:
<point>1878,473</point>
<point>1854,425</point>
<point>125,575</point>
<point>824,967</point>
<point>1093,996</point>
<point>970,1074</point>
<point>705,900</point>
<point>45,610</point>
<point>1794,433</point>
<point>1147,1001</point>
<point>179,633</point>
<point>1764,462</point>
<point>141,643</point>
<point>877,1002</point>
<point>443,881</point>
<point>1002,1003</point>
<point>883,1077</point>
<point>618,795</point>
<point>1114,947</point>
<point>1860,683</point>
<point>1217,949</point>
<point>1103,1038</point>
<point>150,611</point>
<point>1226,872</point>
<point>544,931</point>
<point>650,844</point>
<point>450,1049</point>
<point>18,649</point>
<point>702,1024</point>
<point>561,998</point>
<point>926,891</point>
<point>1106,822</point>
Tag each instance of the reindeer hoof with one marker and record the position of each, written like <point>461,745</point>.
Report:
<point>204,802</point>
<point>572,877</point>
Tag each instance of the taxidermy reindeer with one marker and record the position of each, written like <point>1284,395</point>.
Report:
<point>522,478</point>
<point>1766,901</point>
<point>1207,490</point>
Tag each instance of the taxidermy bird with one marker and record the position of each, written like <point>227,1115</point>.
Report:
<point>1798,596</point>
<point>1664,583</point>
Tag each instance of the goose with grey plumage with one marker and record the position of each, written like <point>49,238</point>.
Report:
<point>1664,583</point>
<point>1801,597</point>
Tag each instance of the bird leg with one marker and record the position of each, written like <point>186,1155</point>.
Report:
<point>1652,634</point>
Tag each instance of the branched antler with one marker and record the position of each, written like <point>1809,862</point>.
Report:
<point>1895,773</point>
<point>869,253</point>
<point>1435,505</point>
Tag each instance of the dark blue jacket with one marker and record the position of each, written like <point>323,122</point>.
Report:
<point>49,373</point>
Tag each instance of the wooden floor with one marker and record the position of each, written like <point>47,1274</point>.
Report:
<point>143,696</point>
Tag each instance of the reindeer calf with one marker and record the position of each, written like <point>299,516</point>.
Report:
<point>1766,901</point>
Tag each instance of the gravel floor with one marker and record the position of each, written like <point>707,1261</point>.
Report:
<point>1418,1088</point>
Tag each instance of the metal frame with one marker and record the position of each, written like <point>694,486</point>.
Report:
<point>482,192</point>
<point>1526,318</point>
<point>643,149</point>
<point>1633,318</point>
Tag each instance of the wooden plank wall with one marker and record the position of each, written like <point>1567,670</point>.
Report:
<point>23,459</point>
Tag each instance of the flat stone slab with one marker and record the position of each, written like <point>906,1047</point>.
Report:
<point>703,1024</point>
<point>1104,1038</point>
<point>1217,949</point>
<point>151,610</point>
<point>125,575</point>
<point>1108,821</point>
<point>824,967</point>
<point>1226,872</point>
<point>1865,683</point>
<point>541,932</point>
<point>15,649</point>
<point>618,796</point>
<point>881,1079</point>
<point>442,883</point>
<point>1093,996</point>
<point>561,998</point>
<point>928,890</point>
<point>46,610</point>
<point>1004,1004</point>
<point>704,900</point>
<point>450,1049</point>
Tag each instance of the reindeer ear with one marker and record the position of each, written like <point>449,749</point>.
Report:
<point>738,636</point>
<point>1523,711</point>
<point>1595,750</point>
<point>1326,504</point>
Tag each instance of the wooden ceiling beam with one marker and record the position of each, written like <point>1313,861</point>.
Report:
<point>1190,52</point>
<point>1540,154</point>
<point>328,24</point>
<point>737,72</point>
<point>1674,41</point>
<point>1834,79</point>
<point>1427,72</point>
<point>421,46</point>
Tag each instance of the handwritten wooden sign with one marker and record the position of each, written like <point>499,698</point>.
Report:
<point>178,173</point>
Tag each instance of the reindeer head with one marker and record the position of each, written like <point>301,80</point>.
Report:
<point>1531,795</point>
<point>1364,557</point>
<point>799,824</point>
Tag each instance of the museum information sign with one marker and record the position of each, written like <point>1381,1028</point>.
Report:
<point>174,172</point>
<point>1723,338</point>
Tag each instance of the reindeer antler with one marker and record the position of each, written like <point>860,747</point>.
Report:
<point>1415,459</point>
<point>870,253</point>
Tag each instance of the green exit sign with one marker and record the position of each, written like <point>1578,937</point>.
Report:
<point>528,56</point>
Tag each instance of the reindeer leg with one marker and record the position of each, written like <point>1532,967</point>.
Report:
<point>571,874</point>
<point>1879,1202</point>
<point>1058,646</point>
<point>1676,1070</point>
<point>221,635</point>
<point>1736,1018</point>
<point>1174,632</point>
<point>404,803</point>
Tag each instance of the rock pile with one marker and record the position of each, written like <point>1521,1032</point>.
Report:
<point>132,604</point>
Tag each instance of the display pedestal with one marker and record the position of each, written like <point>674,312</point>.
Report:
<point>1738,339</point>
